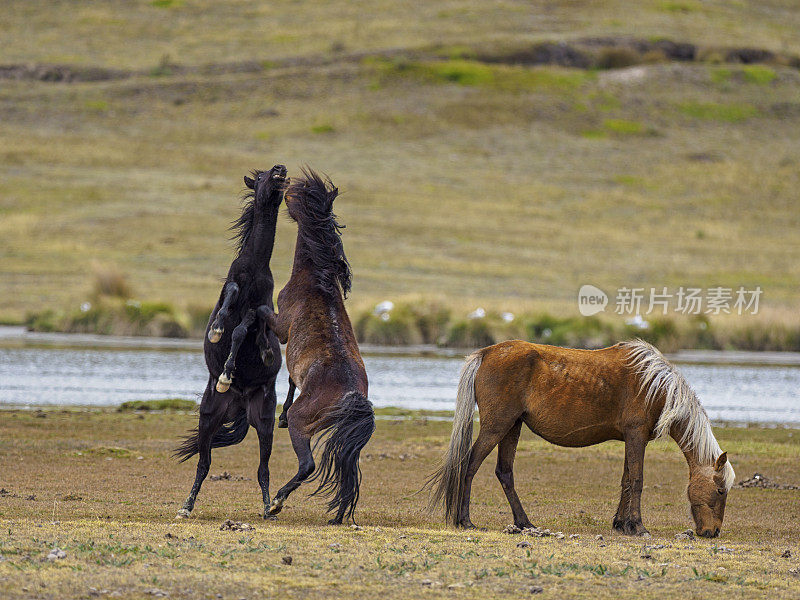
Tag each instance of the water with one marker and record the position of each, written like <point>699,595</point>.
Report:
<point>32,376</point>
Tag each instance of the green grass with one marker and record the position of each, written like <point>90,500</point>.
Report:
<point>165,404</point>
<point>464,183</point>
<point>102,486</point>
<point>713,111</point>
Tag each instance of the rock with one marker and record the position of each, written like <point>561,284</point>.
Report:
<point>574,536</point>
<point>456,586</point>
<point>512,530</point>
<point>287,560</point>
<point>355,527</point>
<point>157,593</point>
<point>56,554</point>
<point>334,546</point>
<point>559,535</point>
<point>430,583</point>
<point>535,589</point>
<point>230,525</point>
<point>598,538</point>
<point>786,554</point>
<point>524,544</point>
<point>686,535</point>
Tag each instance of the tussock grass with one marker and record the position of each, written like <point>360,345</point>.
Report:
<point>113,516</point>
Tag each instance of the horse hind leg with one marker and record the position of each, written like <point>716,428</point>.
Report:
<point>261,413</point>
<point>217,327</point>
<point>301,442</point>
<point>506,452</point>
<point>483,445</point>
<point>210,422</point>
<point>237,337</point>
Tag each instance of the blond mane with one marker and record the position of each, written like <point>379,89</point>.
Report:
<point>660,379</point>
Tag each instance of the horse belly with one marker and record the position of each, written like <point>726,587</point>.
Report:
<point>572,423</point>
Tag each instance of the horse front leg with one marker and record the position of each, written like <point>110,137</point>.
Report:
<point>624,498</point>
<point>635,443</point>
<point>283,422</point>
<point>274,322</point>
<point>218,325</point>
<point>237,337</point>
<point>262,339</point>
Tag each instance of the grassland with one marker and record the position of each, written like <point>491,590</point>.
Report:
<point>465,181</point>
<point>101,486</point>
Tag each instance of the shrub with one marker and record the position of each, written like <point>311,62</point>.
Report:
<point>617,58</point>
<point>165,404</point>
<point>110,281</point>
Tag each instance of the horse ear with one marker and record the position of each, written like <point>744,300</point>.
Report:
<point>721,461</point>
<point>251,183</point>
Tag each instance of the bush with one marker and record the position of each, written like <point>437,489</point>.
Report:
<point>395,328</point>
<point>110,281</point>
<point>617,58</point>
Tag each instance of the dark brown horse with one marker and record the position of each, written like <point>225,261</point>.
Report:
<point>321,353</point>
<point>578,398</point>
<point>243,357</point>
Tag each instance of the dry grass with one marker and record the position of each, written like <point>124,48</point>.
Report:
<point>113,514</point>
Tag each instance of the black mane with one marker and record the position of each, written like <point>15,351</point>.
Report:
<point>319,232</point>
<point>243,226</point>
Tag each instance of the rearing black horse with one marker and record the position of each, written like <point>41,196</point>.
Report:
<point>242,355</point>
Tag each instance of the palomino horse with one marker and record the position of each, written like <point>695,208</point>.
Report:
<point>579,398</point>
<point>321,353</point>
<point>239,350</point>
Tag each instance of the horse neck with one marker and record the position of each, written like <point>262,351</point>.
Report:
<point>262,237</point>
<point>691,449</point>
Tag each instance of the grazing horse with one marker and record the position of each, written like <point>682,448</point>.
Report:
<point>242,355</point>
<point>578,398</point>
<point>321,353</point>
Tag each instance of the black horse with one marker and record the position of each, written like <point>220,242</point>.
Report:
<point>242,354</point>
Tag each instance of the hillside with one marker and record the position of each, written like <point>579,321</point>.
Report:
<point>468,174</point>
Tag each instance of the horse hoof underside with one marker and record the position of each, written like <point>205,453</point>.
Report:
<point>214,335</point>
<point>275,507</point>
<point>223,383</point>
<point>183,514</point>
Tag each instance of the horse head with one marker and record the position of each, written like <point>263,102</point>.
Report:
<point>708,493</point>
<point>268,186</point>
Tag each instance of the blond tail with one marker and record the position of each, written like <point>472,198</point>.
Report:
<point>448,481</point>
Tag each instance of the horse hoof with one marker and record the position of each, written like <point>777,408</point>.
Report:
<point>223,383</point>
<point>214,335</point>
<point>275,507</point>
<point>283,422</point>
<point>183,514</point>
<point>269,517</point>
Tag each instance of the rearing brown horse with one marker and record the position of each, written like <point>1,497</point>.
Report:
<point>580,398</point>
<point>322,354</point>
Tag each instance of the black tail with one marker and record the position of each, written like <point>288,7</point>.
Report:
<point>351,427</point>
<point>227,435</point>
